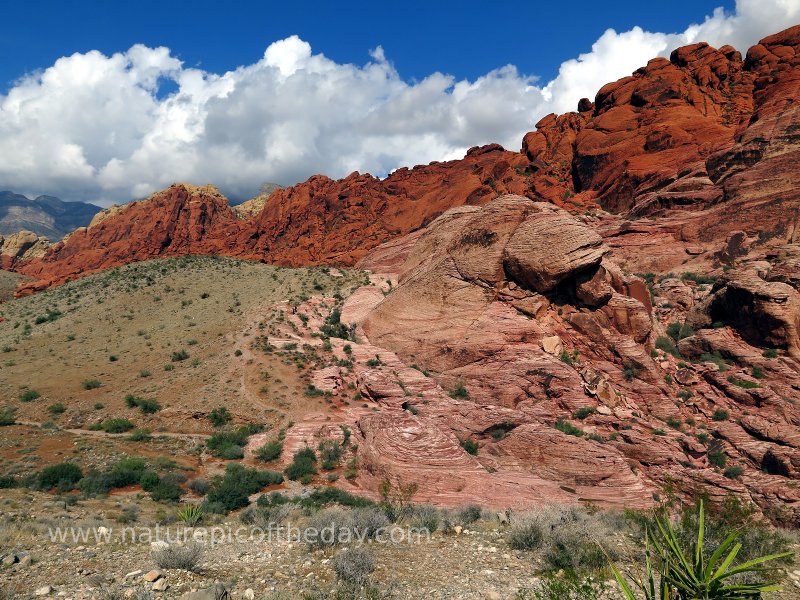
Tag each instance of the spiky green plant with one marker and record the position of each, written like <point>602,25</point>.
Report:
<point>191,514</point>
<point>690,575</point>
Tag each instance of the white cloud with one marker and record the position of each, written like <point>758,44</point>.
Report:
<point>94,127</point>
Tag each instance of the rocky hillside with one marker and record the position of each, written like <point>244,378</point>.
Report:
<point>45,216</point>
<point>672,161</point>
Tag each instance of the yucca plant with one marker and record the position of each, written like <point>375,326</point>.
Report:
<point>190,515</point>
<point>690,575</point>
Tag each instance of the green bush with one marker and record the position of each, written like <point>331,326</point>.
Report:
<point>770,353</point>
<point>29,395</point>
<point>303,465</point>
<point>57,409</point>
<point>166,491</point>
<point>229,444</point>
<point>179,355</point>
<point>148,407</point>
<point>220,416</point>
<point>470,446</point>
<point>63,476</point>
<point>233,490</point>
<point>720,415</point>
<point>583,412</point>
<point>269,452</point>
<point>7,415</point>
<point>567,427</point>
<point>91,384</point>
<point>743,383</point>
<point>330,453</point>
<point>149,480</point>
<point>118,425</point>
<point>667,345</point>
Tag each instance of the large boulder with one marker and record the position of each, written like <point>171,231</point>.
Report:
<point>550,246</point>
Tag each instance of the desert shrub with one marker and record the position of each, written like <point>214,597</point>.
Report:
<point>219,416</point>
<point>228,444</point>
<point>743,383</point>
<point>699,278</point>
<point>630,372</point>
<point>353,566</point>
<point>526,534</point>
<point>367,521</point>
<point>757,372</point>
<point>583,412</point>
<point>7,482</point>
<point>567,427</point>
<point>127,471</point>
<point>716,455</point>
<point>234,488</point>
<point>231,452</point>
<point>63,476</point>
<point>149,480</point>
<point>569,587</point>
<point>7,415</point>
<point>470,514</point>
<point>269,452</point>
<point>147,406</point>
<point>470,446</point>
<point>329,527</point>
<point>199,486</point>
<point>460,392</point>
<point>303,465</point>
<point>96,483</point>
<point>179,355</point>
<point>568,537</point>
<point>166,490</point>
<point>91,384</point>
<point>733,472</point>
<point>667,345</point>
<point>426,517</point>
<point>325,496</point>
<point>57,408</point>
<point>29,395</point>
<point>185,558</point>
<point>118,425</point>
<point>720,415</point>
<point>330,453</point>
<point>770,353</point>
<point>333,327</point>
<point>140,435</point>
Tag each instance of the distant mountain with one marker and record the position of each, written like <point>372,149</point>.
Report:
<point>46,215</point>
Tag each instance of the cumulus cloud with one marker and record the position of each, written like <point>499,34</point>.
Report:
<point>95,127</point>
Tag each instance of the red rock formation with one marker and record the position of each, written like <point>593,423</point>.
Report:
<point>706,141</point>
<point>530,356</point>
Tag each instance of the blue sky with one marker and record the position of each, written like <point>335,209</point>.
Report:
<point>108,102</point>
<point>465,39</point>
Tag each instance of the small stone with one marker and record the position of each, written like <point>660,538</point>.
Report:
<point>135,573</point>
<point>9,559</point>
<point>160,585</point>
<point>152,576</point>
<point>552,345</point>
<point>457,529</point>
<point>43,591</point>
<point>249,594</point>
<point>493,595</point>
<point>502,517</point>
